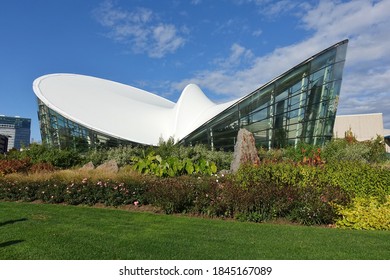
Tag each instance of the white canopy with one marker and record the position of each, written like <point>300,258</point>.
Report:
<point>123,111</point>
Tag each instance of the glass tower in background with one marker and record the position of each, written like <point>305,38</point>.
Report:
<point>17,130</point>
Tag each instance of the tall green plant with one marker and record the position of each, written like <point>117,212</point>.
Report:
<point>172,166</point>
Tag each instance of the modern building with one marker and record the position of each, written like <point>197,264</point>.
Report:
<point>387,139</point>
<point>3,144</point>
<point>363,126</point>
<point>17,130</point>
<point>299,105</point>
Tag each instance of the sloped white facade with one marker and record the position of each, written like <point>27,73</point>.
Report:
<point>125,112</point>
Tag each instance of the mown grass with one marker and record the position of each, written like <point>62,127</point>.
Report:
<point>59,232</point>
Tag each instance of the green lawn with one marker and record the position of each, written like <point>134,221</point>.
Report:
<point>39,231</point>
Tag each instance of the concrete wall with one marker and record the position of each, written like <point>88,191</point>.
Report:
<point>364,126</point>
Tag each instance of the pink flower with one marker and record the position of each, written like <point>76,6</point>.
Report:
<point>136,203</point>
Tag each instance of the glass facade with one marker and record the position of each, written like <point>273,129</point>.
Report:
<point>3,144</point>
<point>17,130</point>
<point>58,131</point>
<point>299,105</point>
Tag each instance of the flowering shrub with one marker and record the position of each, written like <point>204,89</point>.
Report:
<point>77,191</point>
<point>226,197</point>
<point>305,193</point>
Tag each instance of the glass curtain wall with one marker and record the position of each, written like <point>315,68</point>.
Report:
<point>17,130</point>
<point>299,105</point>
<point>58,131</point>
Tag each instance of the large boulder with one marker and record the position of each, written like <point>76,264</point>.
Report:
<point>109,166</point>
<point>88,166</point>
<point>245,151</point>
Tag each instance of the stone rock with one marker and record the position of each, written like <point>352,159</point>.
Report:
<point>223,172</point>
<point>245,151</point>
<point>88,166</point>
<point>109,166</point>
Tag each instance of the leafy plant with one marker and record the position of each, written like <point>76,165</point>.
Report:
<point>367,213</point>
<point>172,166</point>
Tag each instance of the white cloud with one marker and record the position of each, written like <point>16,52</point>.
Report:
<point>196,2</point>
<point>231,26</point>
<point>366,83</point>
<point>278,7</point>
<point>140,29</point>
<point>257,32</point>
<point>166,40</point>
<point>272,8</point>
<point>237,58</point>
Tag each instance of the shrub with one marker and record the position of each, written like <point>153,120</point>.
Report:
<point>221,159</point>
<point>303,153</point>
<point>73,188</point>
<point>41,167</point>
<point>305,192</point>
<point>367,213</point>
<point>371,151</point>
<point>96,156</point>
<point>355,178</point>
<point>289,190</point>
<point>37,153</point>
<point>358,179</point>
<point>259,201</point>
<point>314,205</point>
<point>173,195</point>
<point>8,166</point>
<point>122,155</point>
<point>377,150</point>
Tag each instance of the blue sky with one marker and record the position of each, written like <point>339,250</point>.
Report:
<point>227,47</point>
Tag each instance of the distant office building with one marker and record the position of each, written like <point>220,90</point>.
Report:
<point>3,144</point>
<point>17,130</point>
<point>387,139</point>
<point>299,105</point>
<point>363,126</point>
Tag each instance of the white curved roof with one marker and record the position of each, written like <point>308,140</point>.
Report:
<point>125,112</point>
